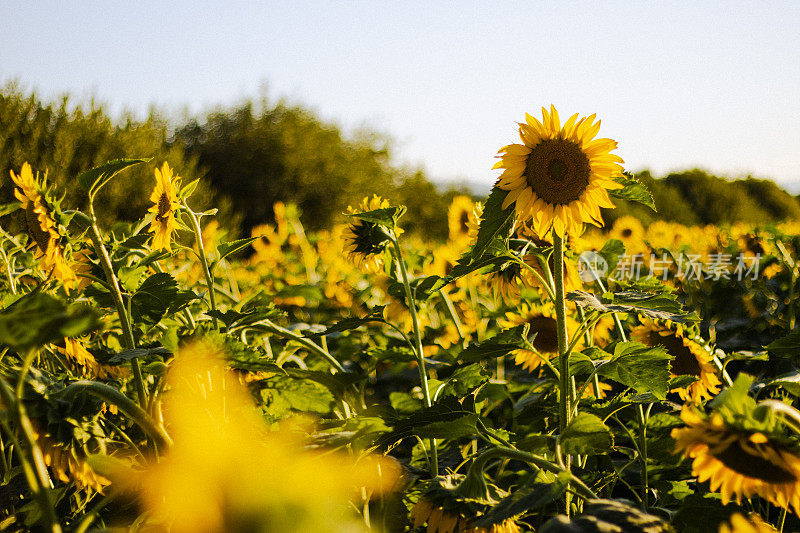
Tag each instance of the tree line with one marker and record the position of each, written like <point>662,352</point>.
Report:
<point>259,152</point>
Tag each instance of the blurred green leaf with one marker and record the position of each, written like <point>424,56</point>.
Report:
<point>38,318</point>
<point>633,190</point>
<point>93,180</point>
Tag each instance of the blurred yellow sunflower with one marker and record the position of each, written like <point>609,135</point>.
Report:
<point>542,321</point>
<point>690,358</point>
<point>560,176</point>
<point>737,462</point>
<point>750,524</point>
<point>364,242</point>
<point>41,225</point>
<point>458,217</point>
<point>165,202</point>
<point>630,231</point>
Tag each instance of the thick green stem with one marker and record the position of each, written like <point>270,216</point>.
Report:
<point>198,237</point>
<point>129,408</point>
<point>423,374</point>
<point>640,414</point>
<point>113,284</point>
<point>565,380</point>
<point>510,453</point>
<point>561,326</point>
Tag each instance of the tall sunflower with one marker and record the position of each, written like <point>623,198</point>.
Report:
<point>165,203</point>
<point>739,462</point>
<point>690,358</point>
<point>560,176</point>
<point>42,226</point>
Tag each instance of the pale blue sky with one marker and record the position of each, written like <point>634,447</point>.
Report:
<point>678,84</point>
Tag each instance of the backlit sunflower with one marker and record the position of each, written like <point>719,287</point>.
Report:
<point>507,282</point>
<point>560,176</point>
<point>751,524</point>
<point>690,358</point>
<point>67,461</point>
<point>42,227</point>
<point>542,321</point>
<point>165,203</point>
<point>739,462</point>
<point>364,242</point>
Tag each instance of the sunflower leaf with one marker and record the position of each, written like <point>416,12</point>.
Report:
<point>586,433</point>
<point>229,248</point>
<point>640,367</point>
<point>495,223</point>
<point>658,306</point>
<point>375,315</point>
<point>94,179</point>
<point>386,217</point>
<point>524,500</point>
<point>633,190</point>
<point>38,318</point>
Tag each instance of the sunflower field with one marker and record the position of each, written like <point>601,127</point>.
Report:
<point>535,372</point>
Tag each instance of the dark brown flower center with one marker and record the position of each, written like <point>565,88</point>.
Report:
<point>463,222</point>
<point>164,207</point>
<point>558,171</point>
<point>546,330</point>
<point>684,363</point>
<point>627,232</point>
<point>35,230</point>
<point>747,464</point>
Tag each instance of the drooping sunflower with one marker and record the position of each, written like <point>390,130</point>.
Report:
<point>446,508</point>
<point>750,524</point>
<point>542,321</point>
<point>366,241</point>
<point>560,176</point>
<point>42,227</point>
<point>690,358</point>
<point>739,462</point>
<point>165,203</point>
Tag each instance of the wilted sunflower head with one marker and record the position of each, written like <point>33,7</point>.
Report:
<point>559,177</point>
<point>690,358</point>
<point>445,509</point>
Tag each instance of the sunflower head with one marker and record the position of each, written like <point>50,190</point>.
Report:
<point>740,454</point>
<point>543,331</point>
<point>463,219</point>
<point>365,240</point>
<point>560,176</point>
<point>690,357</point>
<point>165,203</point>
